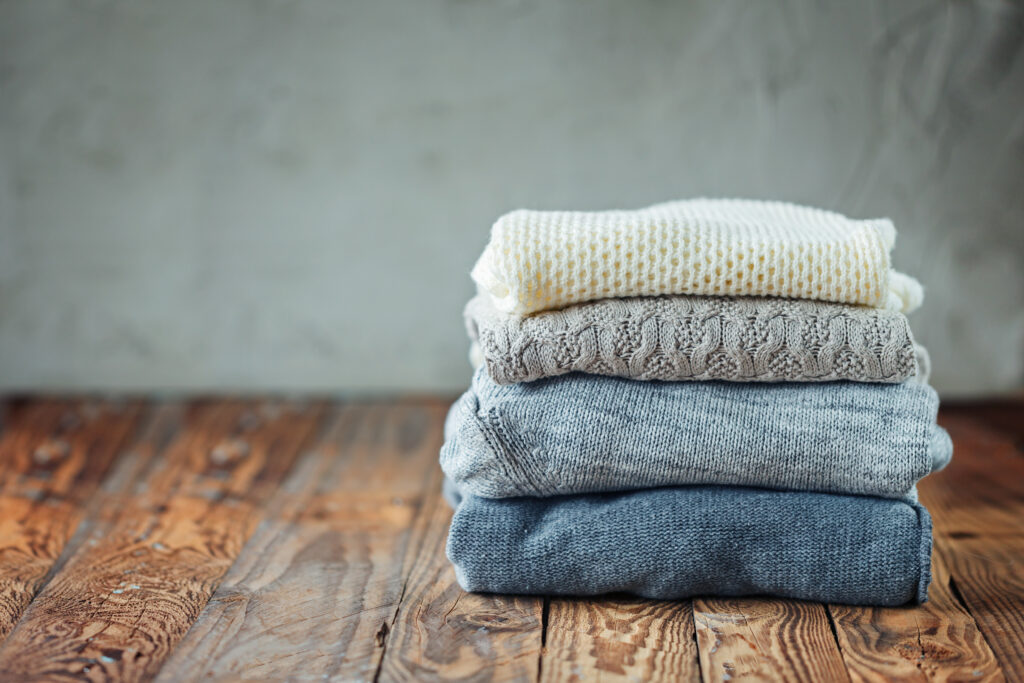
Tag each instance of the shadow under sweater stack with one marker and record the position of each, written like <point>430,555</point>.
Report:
<point>705,397</point>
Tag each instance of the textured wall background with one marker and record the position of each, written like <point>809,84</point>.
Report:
<point>290,194</point>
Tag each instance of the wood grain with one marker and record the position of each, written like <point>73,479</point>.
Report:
<point>989,576</point>
<point>620,639</point>
<point>937,641</point>
<point>158,547</point>
<point>1001,415</point>
<point>314,592</point>
<point>766,640</point>
<point>321,542</point>
<point>53,455</point>
<point>442,633</point>
<point>981,492</point>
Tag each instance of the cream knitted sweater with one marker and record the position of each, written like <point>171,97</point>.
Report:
<point>540,260</point>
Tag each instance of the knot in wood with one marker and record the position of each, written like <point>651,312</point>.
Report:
<point>229,452</point>
<point>51,451</point>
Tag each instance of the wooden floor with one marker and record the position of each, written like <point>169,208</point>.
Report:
<point>284,540</point>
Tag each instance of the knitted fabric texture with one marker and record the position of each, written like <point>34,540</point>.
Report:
<point>686,541</point>
<point>740,339</point>
<point>539,260</point>
<point>587,433</point>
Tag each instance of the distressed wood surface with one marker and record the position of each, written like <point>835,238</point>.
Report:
<point>284,540</point>
<point>53,455</point>
<point>938,641</point>
<point>315,590</point>
<point>990,578</point>
<point>760,639</point>
<point>444,633</point>
<point>978,504</point>
<point>981,492</point>
<point>158,548</point>
<point>619,638</point>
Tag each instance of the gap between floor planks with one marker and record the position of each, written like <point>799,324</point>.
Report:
<point>422,625</point>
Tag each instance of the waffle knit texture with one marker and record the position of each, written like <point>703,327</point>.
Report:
<point>540,260</point>
<point>686,541</point>
<point>674,338</point>
<point>587,433</point>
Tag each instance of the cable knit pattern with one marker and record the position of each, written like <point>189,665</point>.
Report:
<point>541,260</point>
<point>739,339</point>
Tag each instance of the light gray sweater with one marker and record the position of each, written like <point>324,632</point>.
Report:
<point>740,339</point>
<point>586,434</point>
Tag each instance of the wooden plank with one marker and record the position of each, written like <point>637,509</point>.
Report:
<point>981,492</point>
<point>315,590</point>
<point>158,548</point>
<point>766,640</point>
<point>978,503</point>
<point>1001,415</point>
<point>988,574</point>
<point>937,641</point>
<point>53,455</point>
<point>620,639</point>
<point>442,633</point>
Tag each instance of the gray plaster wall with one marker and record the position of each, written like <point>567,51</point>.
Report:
<point>244,194</point>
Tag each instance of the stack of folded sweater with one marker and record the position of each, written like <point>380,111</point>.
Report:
<point>705,397</point>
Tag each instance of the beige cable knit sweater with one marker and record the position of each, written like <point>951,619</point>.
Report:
<point>541,260</point>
